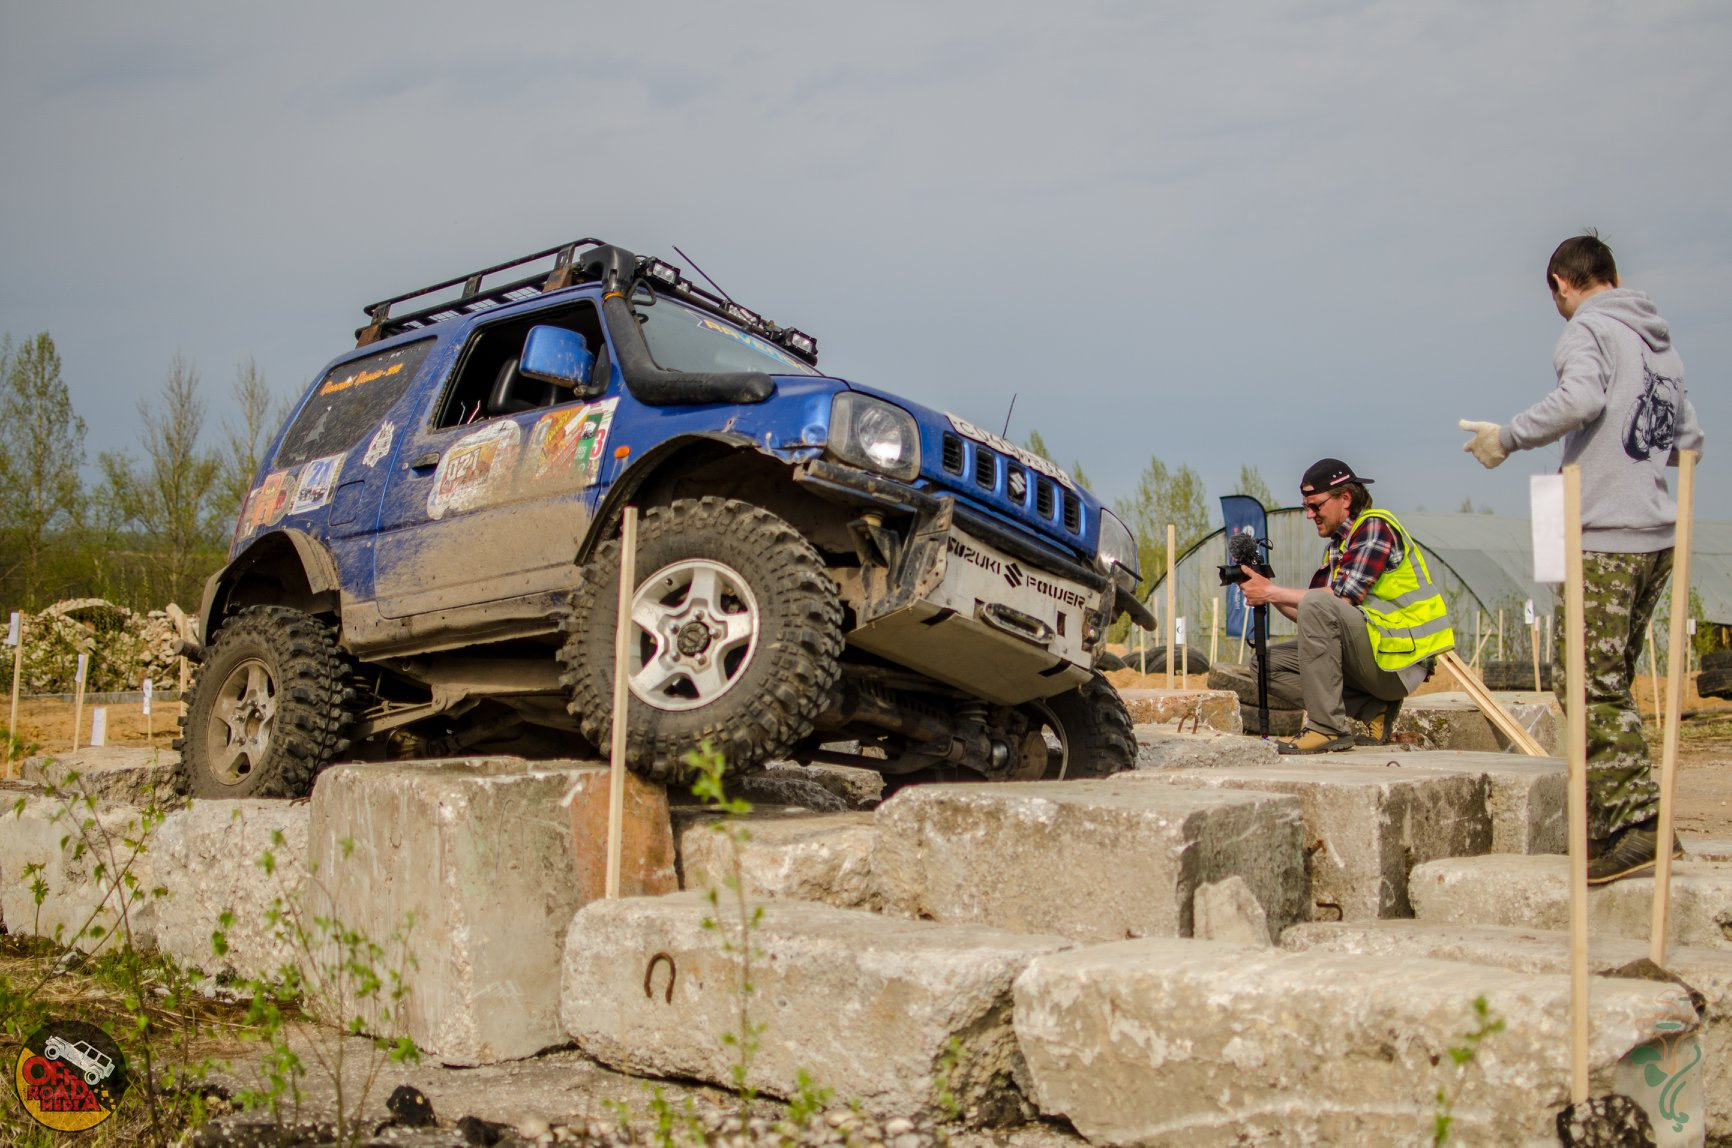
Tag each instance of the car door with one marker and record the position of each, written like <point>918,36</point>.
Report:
<point>486,503</point>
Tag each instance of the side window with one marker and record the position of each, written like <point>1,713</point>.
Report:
<point>486,383</point>
<point>349,402</point>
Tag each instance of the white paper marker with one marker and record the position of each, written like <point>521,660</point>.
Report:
<point>1546,498</point>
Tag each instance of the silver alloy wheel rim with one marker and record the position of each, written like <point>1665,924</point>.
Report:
<point>697,632</point>
<point>1053,730</point>
<point>241,718</point>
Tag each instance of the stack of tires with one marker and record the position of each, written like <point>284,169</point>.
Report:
<point>1715,680</point>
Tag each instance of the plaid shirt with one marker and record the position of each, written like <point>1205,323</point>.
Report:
<point>1355,560</point>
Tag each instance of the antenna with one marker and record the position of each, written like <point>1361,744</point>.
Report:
<point>1005,433</point>
<point>700,271</point>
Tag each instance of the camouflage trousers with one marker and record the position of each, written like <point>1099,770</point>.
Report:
<point>1619,592</point>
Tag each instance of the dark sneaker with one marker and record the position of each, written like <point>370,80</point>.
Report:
<point>1380,729</point>
<point>1315,741</point>
<point>1629,854</point>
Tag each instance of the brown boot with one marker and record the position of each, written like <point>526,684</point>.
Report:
<point>1315,741</point>
<point>1381,728</point>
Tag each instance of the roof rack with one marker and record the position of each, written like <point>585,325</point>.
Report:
<point>476,295</point>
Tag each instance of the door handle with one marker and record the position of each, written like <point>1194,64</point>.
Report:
<point>426,461</point>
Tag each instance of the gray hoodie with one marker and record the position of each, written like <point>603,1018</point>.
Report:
<point>1622,412</point>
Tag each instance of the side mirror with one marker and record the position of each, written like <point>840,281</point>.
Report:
<point>555,355</point>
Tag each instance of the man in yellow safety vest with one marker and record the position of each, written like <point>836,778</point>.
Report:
<point>1370,624</point>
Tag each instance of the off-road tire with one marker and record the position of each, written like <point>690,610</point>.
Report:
<point>1191,660</point>
<point>1717,660</point>
<point>295,659</point>
<point>1095,728</point>
<point>1714,683</point>
<point>1515,675</point>
<point>787,677</point>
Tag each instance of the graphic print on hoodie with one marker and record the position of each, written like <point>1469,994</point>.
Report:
<point>1654,417</point>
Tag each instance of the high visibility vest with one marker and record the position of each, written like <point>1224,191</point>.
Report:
<point>1405,614</point>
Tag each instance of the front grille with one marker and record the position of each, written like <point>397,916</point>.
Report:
<point>1043,495</point>
<point>985,467</point>
<point>1072,513</point>
<point>952,453</point>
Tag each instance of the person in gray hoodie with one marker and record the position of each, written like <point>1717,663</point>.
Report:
<point>1621,409</point>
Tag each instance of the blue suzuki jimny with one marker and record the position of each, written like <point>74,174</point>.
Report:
<point>428,562</point>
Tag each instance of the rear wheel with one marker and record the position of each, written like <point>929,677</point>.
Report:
<point>737,632</point>
<point>1087,731</point>
<point>269,708</point>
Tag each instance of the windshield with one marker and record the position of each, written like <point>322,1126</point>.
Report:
<point>683,339</point>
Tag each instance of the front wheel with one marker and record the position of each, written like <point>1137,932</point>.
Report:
<point>1087,731</point>
<point>269,708</point>
<point>737,636</point>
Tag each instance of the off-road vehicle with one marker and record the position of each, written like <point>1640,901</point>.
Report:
<point>428,562</point>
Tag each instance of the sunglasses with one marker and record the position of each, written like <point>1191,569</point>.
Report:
<point>1313,509</point>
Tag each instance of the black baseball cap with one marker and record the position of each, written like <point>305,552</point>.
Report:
<point>1327,474</point>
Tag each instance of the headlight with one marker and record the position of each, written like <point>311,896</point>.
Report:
<point>875,435</point>
<point>1118,546</point>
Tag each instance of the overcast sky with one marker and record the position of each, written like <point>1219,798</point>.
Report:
<point>1217,234</point>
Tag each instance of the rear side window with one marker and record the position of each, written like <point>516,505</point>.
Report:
<point>349,402</point>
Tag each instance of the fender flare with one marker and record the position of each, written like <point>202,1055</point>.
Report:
<point>603,523</point>
<point>317,565</point>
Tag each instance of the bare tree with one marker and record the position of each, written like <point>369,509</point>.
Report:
<point>244,442</point>
<point>41,452</point>
<point>1251,483</point>
<point>169,499</point>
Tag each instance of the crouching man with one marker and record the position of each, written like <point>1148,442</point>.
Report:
<point>1370,625</point>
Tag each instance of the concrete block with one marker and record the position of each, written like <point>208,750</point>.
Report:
<point>647,862</point>
<point>1453,721</point>
<point>790,853</point>
<point>1366,825</point>
<point>1197,1043</point>
<point>1533,892</point>
<point>866,1005</point>
<point>1094,860</point>
<point>128,775</point>
<point>1709,971</point>
<point>83,892</point>
<point>1198,708</point>
<point>1160,747</point>
<point>1528,797</point>
<point>478,854</point>
<point>208,859</point>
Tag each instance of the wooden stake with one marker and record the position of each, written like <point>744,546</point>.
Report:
<point>1654,682</point>
<point>1548,639</point>
<point>1172,608</point>
<point>1477,641</point>
<point>78,705</point>
<point>17,672</point>
<point>147,688</point>
<point>185,683</point>
<point>621,700</point>
<point>1214,626</point>
<point>1575,631</point>
<point>1534,640</point>
<point>1500,634</point>
<point>1675,673</point>
<point>1244,627</point>
<point>1482,697</point>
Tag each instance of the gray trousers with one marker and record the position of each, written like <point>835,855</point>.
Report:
<point>1328,669</point>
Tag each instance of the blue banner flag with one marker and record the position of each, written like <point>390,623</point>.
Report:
<point>1241,514</point>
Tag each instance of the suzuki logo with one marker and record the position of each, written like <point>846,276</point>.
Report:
<point>1013,574</point>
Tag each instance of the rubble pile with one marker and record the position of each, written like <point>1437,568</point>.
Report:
<point>125,647</point>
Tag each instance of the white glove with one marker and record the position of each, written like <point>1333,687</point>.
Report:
<point>1484,445</point>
